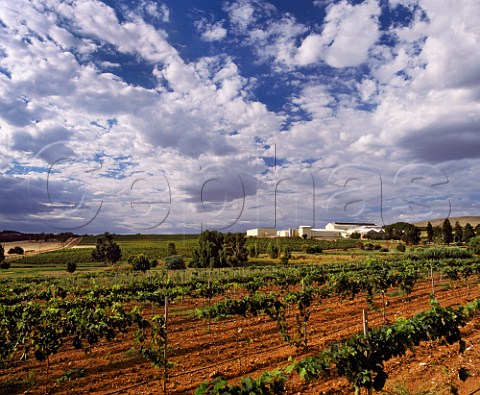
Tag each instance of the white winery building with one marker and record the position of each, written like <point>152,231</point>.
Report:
<point>331,231</point>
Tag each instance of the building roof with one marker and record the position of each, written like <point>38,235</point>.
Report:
<point>355,223</point>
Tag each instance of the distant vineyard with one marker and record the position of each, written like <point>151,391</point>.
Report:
<point>176,238</point>
<point>296,244</point>
<point>156,246</point>
<point>78,255</point>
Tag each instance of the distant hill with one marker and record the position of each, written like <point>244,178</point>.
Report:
<point>472,220</point>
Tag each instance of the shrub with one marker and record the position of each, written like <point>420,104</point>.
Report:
<point>401,248</point>
<point>474,245</point>
<point>253,250</point>
<point>384,249</point>
<point>71,267</point>
<point>171,249</point>
<point>5,265</point>
<point>140,263</point>
<point>175,262</point>
<point>312,249</point>
<point>368,247</point>
<point>272,250</point>
<point>16,250</point>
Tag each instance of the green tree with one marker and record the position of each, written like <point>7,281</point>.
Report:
<point>403,231</point>
<point>477,230</point>
<point>468,232</point>
<point>429,232</point>
<point>207,252</point>
<point>253,251</point>
<point>457,232</point>
<point>285,256</point>
<point>234,251</point>
<point>174,262</point>
<point>355,235</point>
<point>141,263</point>
<point>16,250</point>
<point>106,250</point>
<point>171,248</point>
<point>447,231</point>
<point>273,250</point>
<point>437,235</point>
<point>215,249</point>
<point>474,245</point>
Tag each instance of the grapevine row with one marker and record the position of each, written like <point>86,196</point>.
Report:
<point>360,359</point>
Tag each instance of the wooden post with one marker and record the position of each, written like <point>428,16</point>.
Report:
<point>165,353</point>
<point>433,281</point>
<point>365,332</point>
<point>365,323</point>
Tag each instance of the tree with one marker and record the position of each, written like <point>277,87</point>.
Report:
<point>171,249</point>
<point>253,251</point>
<point>234,251</point>
<point>468,232</point>
<point>3,263</point>
<point>374,235</point>
<point>140,263</point>
<point>207,251</point>
<point>477,230</point>
<point>273,250</point>
<point>458,232</point>
<point>355,235</point>
<point>285,256</point>
<point>174,262</point>
<point>429,232</point>
<point>447,232</point>
<point>437,235</point>
<point>474,245</point>
<point>16,250</point>
<point>214,249</point>
<point>106,250</point>
<point>403,231</point>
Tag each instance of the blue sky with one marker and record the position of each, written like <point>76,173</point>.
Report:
<point>177,116</point>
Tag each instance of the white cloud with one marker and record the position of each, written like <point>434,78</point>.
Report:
<point>211,31</point>
<point>410,102</point>
<point>350,31</point>
<point>242,13</point>
<point>311,50</point>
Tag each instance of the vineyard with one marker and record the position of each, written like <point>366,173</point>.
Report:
<point>374,322</point>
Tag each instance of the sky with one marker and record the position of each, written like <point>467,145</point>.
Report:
<point>179,116</point>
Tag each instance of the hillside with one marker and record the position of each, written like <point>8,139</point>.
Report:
<point>472,220</point>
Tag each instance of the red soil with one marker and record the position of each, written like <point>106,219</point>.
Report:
<point>238,347</point>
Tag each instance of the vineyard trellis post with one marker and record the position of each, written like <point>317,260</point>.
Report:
<point>365,332</point>
<point>433,280</point>
<point>165,352</point>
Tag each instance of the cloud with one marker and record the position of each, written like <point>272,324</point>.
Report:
<point>211,31</point>
<point>128,103</point>
<point>349,32</point>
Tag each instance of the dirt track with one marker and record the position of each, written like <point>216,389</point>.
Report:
<point>36,247</point>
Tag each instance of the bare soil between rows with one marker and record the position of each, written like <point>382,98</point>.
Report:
<point>238,347</point>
